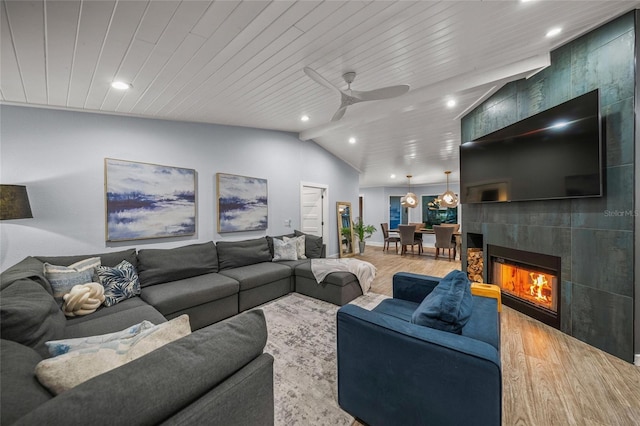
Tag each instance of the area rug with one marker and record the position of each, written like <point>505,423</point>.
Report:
<point>302,340</point>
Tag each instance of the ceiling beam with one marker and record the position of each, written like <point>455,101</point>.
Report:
<point>378,110</point>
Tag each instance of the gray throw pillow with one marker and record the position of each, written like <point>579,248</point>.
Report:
<point>313,245</point>
<point>156,266</point>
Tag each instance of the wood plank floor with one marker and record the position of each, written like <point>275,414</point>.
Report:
<point>548,377</point>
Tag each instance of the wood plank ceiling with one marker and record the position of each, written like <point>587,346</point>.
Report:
<point>240,63</point>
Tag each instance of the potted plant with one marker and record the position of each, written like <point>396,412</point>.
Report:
<point>346,238</point>
<point>363,232</point>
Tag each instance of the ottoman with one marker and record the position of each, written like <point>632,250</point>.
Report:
<point>338,288</point>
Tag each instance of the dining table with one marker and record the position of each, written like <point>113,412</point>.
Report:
<point>457,235</point>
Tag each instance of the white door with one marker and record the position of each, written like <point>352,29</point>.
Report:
<point>312,210</point>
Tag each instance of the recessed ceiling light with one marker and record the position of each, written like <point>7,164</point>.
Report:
<point>554,32</point>
<point>352,140</point>
<point>392,176</point>
<point>304,118</point>
<point>451,103</point>
<point>121,85</point>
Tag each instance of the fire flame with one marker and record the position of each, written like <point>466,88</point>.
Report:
<point>539,282</point>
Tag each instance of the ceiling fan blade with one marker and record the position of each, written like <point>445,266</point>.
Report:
<point>339,113</point>
<point>384,93</point>
<point>320,79</point>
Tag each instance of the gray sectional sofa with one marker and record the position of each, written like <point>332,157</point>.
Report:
<point>213,284</point>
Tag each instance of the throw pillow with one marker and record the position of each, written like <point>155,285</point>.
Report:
<point>93,343</point>
<point>313,245</point>
<point>63,372</point>
<point>63,278</point>
<point>284,250</point>
<point>120,282</point>
<point>83,299</point>
<point>448,307</point>
<point>300,245</point>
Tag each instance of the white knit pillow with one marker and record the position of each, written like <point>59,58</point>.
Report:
<point>83,299</point>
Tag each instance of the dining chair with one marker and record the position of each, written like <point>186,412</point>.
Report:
<point>388,239</point>
<point>443,238</point>
<point>456,228</point>
<point>418,227</point>
<point>408,238</point>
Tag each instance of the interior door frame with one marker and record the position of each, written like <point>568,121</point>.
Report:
<point>325,207</point>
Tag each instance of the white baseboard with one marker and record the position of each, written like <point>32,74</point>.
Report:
<point>636,360</point>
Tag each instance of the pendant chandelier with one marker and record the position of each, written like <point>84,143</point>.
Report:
<point>409,200</point>
<point>448,199</point>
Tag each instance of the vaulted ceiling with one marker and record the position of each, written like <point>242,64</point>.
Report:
<point>241,63</point>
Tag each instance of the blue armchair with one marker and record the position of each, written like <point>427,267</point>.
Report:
<point>393,372</point>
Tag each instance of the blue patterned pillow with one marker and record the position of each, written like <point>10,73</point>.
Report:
<point>120,282</point>
<point>93,343</point>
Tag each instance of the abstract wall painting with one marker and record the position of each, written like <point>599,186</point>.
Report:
<point>148,200</point>
<point>242,203</point>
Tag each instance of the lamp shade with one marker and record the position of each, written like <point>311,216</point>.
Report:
<point>410,199</point>
<point>449,198</point>
<point>14,202</point>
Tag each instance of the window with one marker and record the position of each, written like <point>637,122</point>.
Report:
<point>433,214</point>
<point>397,214</point>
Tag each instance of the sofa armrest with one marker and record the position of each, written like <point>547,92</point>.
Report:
<point>155,387</point>
<point>413,287</point>
<point>246,399</point>
<point>420,373</point>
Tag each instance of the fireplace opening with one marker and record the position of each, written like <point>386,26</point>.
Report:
<point>530,282</point>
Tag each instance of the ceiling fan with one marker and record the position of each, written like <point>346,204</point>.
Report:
<point>350,97</point>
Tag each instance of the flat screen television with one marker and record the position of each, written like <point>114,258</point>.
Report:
<point>554,154</point>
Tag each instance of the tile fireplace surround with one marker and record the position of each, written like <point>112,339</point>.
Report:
<point>595,247</point>
<point>592,305</point>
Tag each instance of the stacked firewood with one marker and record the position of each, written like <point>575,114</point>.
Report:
<point>475,264</point>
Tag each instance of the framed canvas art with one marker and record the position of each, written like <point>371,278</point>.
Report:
<point>242,203</point>
<point>148,200</point>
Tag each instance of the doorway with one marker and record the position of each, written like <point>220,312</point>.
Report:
<point>313,209</point>
<point>397,213</point>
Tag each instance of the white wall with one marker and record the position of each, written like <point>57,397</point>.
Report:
<point>376,206</point>
<point>59,156</point>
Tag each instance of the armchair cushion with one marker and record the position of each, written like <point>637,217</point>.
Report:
<point>448,307</point>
